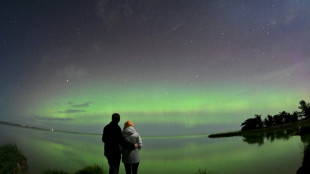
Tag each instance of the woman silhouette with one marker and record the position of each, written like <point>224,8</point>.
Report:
<point>131,158</point>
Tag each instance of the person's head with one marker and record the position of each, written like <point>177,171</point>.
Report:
<point>127,124</point>
<point>115,118</point>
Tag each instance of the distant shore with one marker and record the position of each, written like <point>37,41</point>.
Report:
<point>296,125</point>
<point>44,129</point>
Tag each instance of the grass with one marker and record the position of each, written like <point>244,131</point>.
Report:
<point>94,169</point>
<point>203,171</point>
<point>55,172</point>
<point>12,161</point>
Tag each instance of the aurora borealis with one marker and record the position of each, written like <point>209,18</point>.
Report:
<point>182,66</point>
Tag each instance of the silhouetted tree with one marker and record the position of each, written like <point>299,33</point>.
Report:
<point>268,121</point>
<point>259,121</point>
<point>285,117</point>
<point>278,119</point>
<point>294,117</point>
<point>305,109</point>
<point>252,123</point>
<point>281,118</point>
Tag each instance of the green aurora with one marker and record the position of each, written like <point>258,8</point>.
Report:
<point>152,103</point>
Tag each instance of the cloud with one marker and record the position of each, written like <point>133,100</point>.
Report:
<point>52,119</point>
<point>71,111</point>
<point>286,73</point>
<point>87,104</point>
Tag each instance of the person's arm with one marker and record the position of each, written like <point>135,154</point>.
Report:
<point>139,142</point>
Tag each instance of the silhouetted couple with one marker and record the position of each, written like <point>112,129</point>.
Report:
<point>128,143</point>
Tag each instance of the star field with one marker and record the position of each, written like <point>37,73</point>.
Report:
<point>198,63</point>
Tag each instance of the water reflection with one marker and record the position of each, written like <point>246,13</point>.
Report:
<point>285,134</point>
<point>259,137</point>
<point>182,155</point>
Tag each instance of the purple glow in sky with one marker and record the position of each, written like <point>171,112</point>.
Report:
<point>193,63</point>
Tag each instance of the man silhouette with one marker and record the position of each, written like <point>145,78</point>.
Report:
<point>112,138</point>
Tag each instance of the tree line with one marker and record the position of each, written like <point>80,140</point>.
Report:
<point>282,118</point>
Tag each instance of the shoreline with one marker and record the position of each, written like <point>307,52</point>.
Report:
<point>296,125</point>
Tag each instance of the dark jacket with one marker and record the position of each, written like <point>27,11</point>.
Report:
<point>112,138</point>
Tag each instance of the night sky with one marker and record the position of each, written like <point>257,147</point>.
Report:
<point>178,65</point>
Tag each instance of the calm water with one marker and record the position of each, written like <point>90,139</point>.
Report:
<point>278,153</point>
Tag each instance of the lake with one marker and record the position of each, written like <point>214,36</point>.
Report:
<point>278,153</point>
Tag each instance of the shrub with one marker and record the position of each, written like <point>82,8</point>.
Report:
<point>55,172</point>
<point>203,171</point>
<point>12,160</point>
<point>94,169</point>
